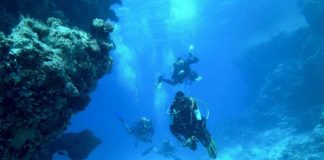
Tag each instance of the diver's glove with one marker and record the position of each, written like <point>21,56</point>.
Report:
<point>188,142</point>
<point>191,143</point>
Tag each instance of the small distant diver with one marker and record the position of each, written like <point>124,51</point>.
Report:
<point>189,126</point>
<point>142,129</point>
<point>167,150</point>
<point>182,71</point>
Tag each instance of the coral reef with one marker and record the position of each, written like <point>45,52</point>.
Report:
<point>77,13</point>
<point>48,71</point>
<point>77,146</point>
<point>277,144</point>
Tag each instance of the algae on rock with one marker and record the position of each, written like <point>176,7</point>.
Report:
<point>48,71</point>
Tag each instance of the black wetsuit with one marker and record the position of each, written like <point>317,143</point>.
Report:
<point>185,123</point>
<point>140,130</point>
<point>144,133</point>
<point>182,67</point>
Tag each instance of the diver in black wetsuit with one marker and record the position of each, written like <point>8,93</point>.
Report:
<point>189,126</point>
<point>142,130</point>
<point>182,71</point>
<point>167,150</point>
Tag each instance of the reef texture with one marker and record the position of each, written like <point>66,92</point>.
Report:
<point>77,146</point>
<point>47,72</point>
<point>286,75</point>
<point>77,13</point>
<point>314,11</point>
<point>286,80</point>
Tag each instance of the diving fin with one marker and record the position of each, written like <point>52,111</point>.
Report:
<point>119,117</point>
<point>176,158</point>
<point>199,78</point>
<point>147,151</point>
<point>212,151</point>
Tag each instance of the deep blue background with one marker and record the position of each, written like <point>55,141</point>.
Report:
<point>149,36</point>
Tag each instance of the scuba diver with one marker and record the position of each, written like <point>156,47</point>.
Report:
<point>182,71</point>
<point>188,125</point>
<point>142,130</point>
<point>167,150</point>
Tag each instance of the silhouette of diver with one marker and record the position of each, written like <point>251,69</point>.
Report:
<point>167,150</point>
<point>142,130</point>
<point>188,125</point>
<point>182,71</point>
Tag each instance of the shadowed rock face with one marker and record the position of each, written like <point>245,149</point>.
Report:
<point>314,11</point>
<point>77,146</point>
<point>286,80</point>
<point>77,13</point>
<point>286,73</point>
<point>48,71</point>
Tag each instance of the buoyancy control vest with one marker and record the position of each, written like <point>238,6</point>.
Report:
<point>182,111</point>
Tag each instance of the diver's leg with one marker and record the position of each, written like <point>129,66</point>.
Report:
<point>193,76</point>
<point>168,81</point>
<point>206,140</point>
<point>147,151</point>
<point>175,157</point>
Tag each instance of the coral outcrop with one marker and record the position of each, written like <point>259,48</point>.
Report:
<point>77,13</point>
<point>77,146</point>
<point>48,71</point>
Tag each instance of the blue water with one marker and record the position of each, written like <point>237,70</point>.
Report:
<point>149,37</point>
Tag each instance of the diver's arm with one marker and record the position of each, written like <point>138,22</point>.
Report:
<point>127,128</point>
<point>194,106</point>
<point>192,59</point>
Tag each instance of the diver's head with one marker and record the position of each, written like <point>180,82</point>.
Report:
<point>179,95</point>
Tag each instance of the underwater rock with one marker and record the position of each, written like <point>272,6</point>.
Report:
<point>277,144</point>
<point>286,84</point>
<point>260,60</point>
<point>77,146</point>
<point>78,13</point>
<point>322,118</point>
<point>318,133</point>
<point>313,11</point>
<point>48,71</point>
<point>286,78</point>
<point>280,84</point>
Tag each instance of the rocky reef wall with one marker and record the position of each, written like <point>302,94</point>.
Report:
<point>48,71</point>
<point>286,79</point>
<point>286,73</point>
<point>76,146</point>
<point>48,67</point>
<point>76,13</point>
